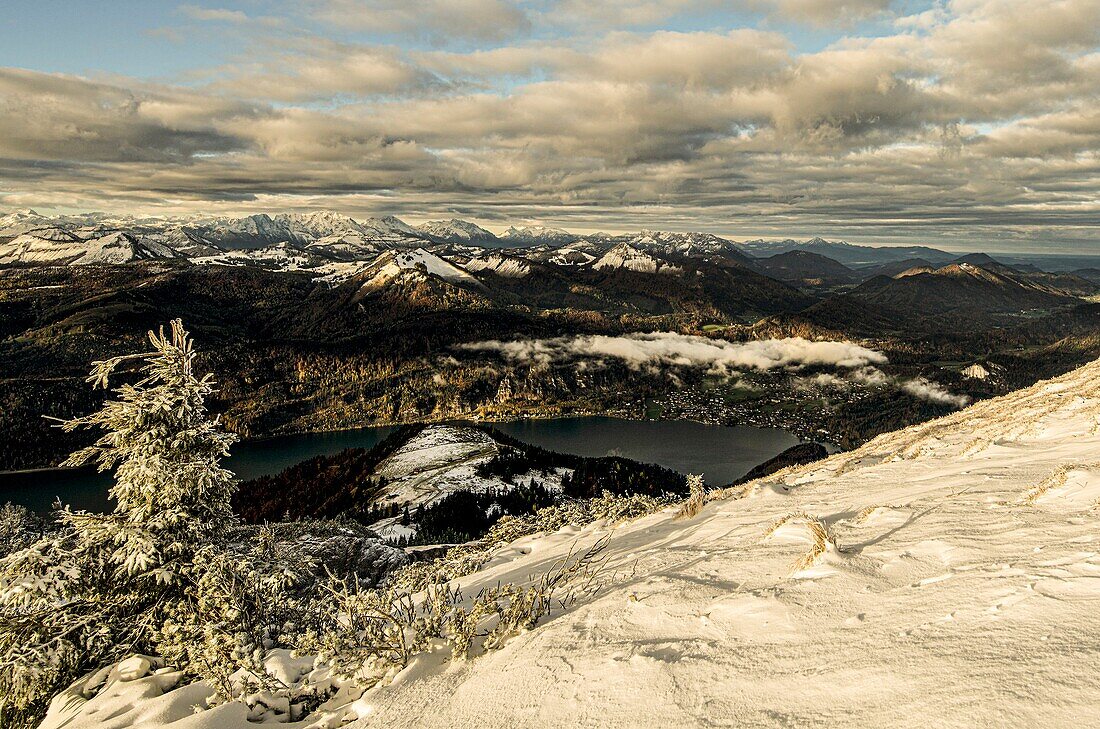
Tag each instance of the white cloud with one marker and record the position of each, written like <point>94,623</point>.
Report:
<point>977,119</point>
<point>441,20</point>
<point>924,389</point>
<point>668,348</point>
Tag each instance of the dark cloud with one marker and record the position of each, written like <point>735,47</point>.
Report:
<point>974,121</point>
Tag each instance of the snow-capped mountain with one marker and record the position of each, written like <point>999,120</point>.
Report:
<point>687,244</point>
<point>440,460</point>
<point>59,247</point>
<point>22,221</point>
<point>308,227</point>
<point>412,266</point>
<point>500,264</point>
<point>458,232</point>
<point>390,226</point>
<point>532,235</point>
<point>248,232</point>
<point>626,256</point>
<point>185,241</point>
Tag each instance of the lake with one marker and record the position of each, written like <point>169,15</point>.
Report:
<point>722,454</point>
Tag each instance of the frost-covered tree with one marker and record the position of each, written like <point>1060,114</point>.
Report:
<point>171,493</point>
<point>156,574</point>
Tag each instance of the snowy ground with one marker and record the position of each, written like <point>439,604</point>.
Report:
<point>953,601</point>
<point>963,590</point>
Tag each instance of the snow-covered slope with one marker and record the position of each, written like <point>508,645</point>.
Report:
<point>21,221</point>
<point>958,587</point>
<point>59,247</point>
<point>625,256</point>
<point>458,231</point>
<point>119,247</point>
<point>398,265</point>
<point>950,600</point>
<point>501,265</point>
<point>440,460</point>
<point>279,257</point>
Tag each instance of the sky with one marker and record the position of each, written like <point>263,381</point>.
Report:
<point>959,123</point>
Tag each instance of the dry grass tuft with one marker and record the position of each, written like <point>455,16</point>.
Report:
<point>696,501</point>
<point>865,513</point>
<point>1056,480</point>
<point>822,538</point>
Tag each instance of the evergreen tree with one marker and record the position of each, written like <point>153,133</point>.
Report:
<point>170,492</point>
<point>156,575</point>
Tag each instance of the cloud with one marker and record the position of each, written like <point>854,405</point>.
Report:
<point>224,15</point>
<point>973,122</point>
<point>441,21</point>
<point>924,389</point>
<point>55,117</point>
<point>825,12</point>
<point>918,387</point>
<point>668,348</point>
<point>856,363</point>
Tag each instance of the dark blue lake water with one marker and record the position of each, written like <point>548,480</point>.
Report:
<point>722,454</point>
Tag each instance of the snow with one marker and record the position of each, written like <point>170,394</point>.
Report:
<point>281,256</point>
<point>456,231</point>
<point>441,460</point>
<point>948,591</point>
<point>628,257</point>
<point>505,266</point>
<point>976,372</point>
<point>949,601</point>
<point>58,246</point>
<point>392,264</point>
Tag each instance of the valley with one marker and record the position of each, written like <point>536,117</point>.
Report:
<point>320,323</point>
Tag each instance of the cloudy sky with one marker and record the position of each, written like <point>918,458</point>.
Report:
<point>960,123</point>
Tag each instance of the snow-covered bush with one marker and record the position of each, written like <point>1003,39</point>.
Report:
<point>467,558</point>
<point>369,634</point>
<point>156,575</point>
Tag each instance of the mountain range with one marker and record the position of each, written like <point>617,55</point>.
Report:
<point>316,323</point>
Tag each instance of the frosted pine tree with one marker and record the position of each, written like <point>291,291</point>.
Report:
<point>107,584</point>
<point>171,493</point>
